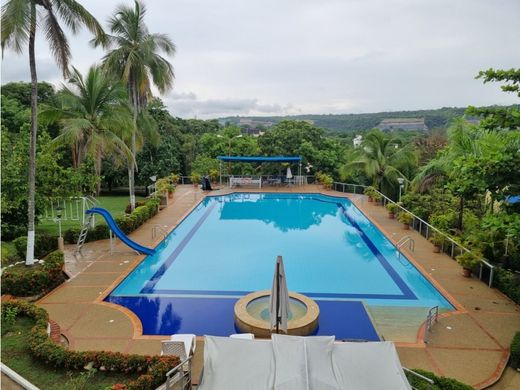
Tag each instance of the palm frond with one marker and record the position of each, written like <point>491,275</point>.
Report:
<point>15,21</point>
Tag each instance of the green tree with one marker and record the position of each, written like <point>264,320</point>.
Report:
<point>134,57</point>
<point>94,116</point>
<point>494,118</point>
<point>20,19</point>
<point>384,159</point>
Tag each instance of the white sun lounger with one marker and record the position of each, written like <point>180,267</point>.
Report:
<point>303,363</point>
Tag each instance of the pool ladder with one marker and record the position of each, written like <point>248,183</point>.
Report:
<point>405,240</point>
<point>159,229</point>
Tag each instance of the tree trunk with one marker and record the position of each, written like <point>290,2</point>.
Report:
<point>29,257</point>
<point>97,168</point>
<point>131,170</point>
<point>461,212</point>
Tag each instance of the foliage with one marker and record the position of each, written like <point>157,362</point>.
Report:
<point>469,260</point>
<point>43,245</point>
<point>392,208</point>
<point>508,282</point>
<point>437,239</point>
<point>370,191</point>
<point>405,218</point>
<point>384,159</point>
<point>22,281</point>
<point>515,351</point>
<point>152,368</point>
<point>439,383</point>
<point>204,165</point>
<point>195,178</point>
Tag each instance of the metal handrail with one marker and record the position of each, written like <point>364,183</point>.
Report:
<point>403,241</point>
<point>430,381</point>
<point>181,372</point>
<point>433,316</point>
<point>422,224</point>
<point>160,228</point>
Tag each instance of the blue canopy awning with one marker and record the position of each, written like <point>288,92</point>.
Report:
<point>259,158</point>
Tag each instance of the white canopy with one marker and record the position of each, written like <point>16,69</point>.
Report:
<point>306,363</point>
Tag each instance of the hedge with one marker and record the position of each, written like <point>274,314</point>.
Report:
<point>153,369</point>
<point>43,245</point>
<point>24,281</point>
<point>439,382</point>
<point>515,351</point>
<point>508,282</point>
<point>127,223</point>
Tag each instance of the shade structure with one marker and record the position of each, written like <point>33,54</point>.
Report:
<point>260,159</point>
<point>289,173</point>
<point>279,299</point>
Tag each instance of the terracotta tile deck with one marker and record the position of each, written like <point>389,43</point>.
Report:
<point>470,344</point>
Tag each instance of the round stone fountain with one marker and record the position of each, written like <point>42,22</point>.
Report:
<point>252,314</point>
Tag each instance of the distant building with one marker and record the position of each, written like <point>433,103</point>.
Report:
<point>357,141</point>
<point>252,127</point>
<point>391,124</point>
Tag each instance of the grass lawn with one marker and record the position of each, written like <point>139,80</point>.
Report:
<point>115,204</point>
<point>16,355</point>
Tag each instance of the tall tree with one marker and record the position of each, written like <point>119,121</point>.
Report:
<point>384,159</point>
<point>94,116</point>
<point>134,57</point>
<point>20,19</point>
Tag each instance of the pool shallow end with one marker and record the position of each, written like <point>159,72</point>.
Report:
<point>302,326</point>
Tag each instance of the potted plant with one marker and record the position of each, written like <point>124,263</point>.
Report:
<point>161,185</point>
<point>468,261</point>
<point>175,178</point>
<point>437,240</point>
<point>392,208</point>
<point>406,219</point>
<point>214,175</point>
<point>327,181</point>
<point>370,192</point>
<point>377,198</point>
<point>171,190</point>
<point>195,179</point>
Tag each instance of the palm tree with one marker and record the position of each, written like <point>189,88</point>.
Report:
<point>134,57</point>
<point>19,22</point>
<point>94,116</point>
<point>383,159</point>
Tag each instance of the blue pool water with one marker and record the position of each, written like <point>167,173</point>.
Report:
<point>227,247</point>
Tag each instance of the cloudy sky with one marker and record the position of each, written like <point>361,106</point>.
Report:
<point>280,57</point>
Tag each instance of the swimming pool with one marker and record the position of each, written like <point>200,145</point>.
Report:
<point>227,247</point>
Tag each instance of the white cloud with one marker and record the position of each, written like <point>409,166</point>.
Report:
<point>270,57</point>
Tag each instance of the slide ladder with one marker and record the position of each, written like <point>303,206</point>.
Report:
<point>83,234</point>
<point>117,231</point>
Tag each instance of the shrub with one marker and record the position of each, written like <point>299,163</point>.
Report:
<point>370,191</point>
<point>468,260</point>
<point>515,351</point>
<point>175,178</point>
<point>153,368</point>
<point>508,282</point>
<point>43,245</point>
<point>24,281</point>
<point>439,383</point>
<point>128,208</point>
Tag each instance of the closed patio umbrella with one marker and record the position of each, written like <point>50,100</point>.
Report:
<point>279,299</point>
<point>289,173</point>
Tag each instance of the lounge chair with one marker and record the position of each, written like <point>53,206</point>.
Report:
<point>181,345</point>
<point>307,363</point>
<point>246,336</point>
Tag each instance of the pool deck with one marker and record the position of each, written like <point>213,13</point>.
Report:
<point>469,344</point>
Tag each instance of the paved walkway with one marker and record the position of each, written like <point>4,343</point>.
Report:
<point>469,344</point>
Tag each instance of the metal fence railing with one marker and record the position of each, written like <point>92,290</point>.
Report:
<point>449,245</point>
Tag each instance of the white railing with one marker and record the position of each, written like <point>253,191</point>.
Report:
<point>423,227</point>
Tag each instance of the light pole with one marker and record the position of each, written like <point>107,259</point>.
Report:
<point>400,180</point>
<point>61,245</point>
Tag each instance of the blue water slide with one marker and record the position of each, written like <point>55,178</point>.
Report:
<point>118,232</point>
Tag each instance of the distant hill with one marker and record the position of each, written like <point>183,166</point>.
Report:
<point>344,123</point>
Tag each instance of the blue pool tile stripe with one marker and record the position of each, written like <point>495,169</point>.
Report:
<point>407,292</point>
<point>149,287</point>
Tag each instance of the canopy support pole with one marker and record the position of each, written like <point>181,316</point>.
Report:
<point>300,173</point>
<point>220,172</point>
